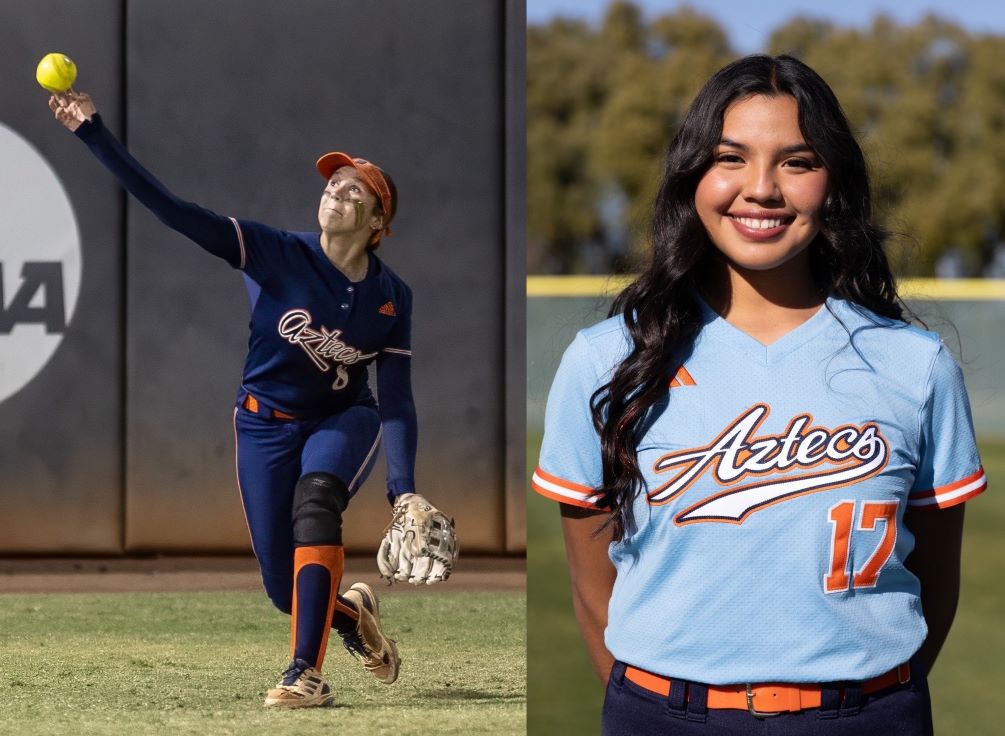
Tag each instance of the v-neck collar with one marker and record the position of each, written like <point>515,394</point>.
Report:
<point>371,264</point>
<point>717,327</point>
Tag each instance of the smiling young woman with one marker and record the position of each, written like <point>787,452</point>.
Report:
<point>761,466</point>
<point>760,204</point>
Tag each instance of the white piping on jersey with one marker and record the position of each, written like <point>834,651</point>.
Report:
<point>240,493</point>
<point>240,242</point>
<point>366,461</point>
<point>398,351</point>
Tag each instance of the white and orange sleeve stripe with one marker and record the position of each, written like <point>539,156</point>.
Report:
<point>949,495</point>
<point>564,491</point>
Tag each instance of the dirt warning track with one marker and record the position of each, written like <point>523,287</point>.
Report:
<point>185,574</point>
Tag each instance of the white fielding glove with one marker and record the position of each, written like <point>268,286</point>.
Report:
<point>419,545</point>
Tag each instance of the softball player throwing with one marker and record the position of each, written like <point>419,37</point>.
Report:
<point>775,459</point>
<point>324,306</point>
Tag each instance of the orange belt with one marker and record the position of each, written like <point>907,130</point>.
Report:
<point>771,698</point>
<point>251,404</point>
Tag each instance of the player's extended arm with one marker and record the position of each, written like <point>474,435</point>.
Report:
<point>215,233</point>
<point>420,543</point>
<point>938,540</point>
<point>592,576</point>
<point>399,422</point>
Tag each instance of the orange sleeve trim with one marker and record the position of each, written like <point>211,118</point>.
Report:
<point>566,499</point>
<point>934,503</point>
<point>587,490</point>
<point>564,491</point>
<point>954,493</point>
<point>951,486</point>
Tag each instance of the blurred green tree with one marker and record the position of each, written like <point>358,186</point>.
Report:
<point>927,102</point>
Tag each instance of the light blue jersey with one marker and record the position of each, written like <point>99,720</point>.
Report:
<point>770,541</point>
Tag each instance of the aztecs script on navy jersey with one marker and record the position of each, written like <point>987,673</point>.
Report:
<point>322,346</point>
<point>313,331</point>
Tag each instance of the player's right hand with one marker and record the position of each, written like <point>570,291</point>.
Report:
<point>72,109</point>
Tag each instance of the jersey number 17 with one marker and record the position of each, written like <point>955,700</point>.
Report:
<point>842,516</point>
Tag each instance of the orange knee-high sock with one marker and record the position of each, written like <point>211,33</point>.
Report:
<point>317,574</point>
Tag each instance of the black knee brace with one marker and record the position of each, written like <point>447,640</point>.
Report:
<point>318,503</point>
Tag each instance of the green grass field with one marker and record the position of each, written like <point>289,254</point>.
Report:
<point>199,663</point>
<point>967,683</point>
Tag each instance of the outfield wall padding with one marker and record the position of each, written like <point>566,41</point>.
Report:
<point>231,108</point>
<point>125,442</point>
<point>61,434</point>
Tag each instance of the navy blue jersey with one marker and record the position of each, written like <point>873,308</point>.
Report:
<point>313,331</point>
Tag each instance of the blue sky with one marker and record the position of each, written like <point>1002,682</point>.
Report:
<point>750,23</point>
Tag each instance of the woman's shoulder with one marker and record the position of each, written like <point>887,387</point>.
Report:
<point>389,281</point>
<point>611,331</point>
<point>259,231</point>
<point>903,343</point>
<point>602,345</point>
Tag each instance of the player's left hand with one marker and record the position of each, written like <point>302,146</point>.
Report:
<point>71,108</point>
<point>419,545</point>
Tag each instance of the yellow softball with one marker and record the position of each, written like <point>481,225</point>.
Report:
<point>56,72</point>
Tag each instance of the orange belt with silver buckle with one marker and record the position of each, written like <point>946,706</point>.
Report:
<point>252,405</point>
<point>767,699</point>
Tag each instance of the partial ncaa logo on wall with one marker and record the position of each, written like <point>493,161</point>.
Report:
<point>39,262</point>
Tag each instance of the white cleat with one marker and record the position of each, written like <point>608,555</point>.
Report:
<point>301,687</point>
<point>368,644</point>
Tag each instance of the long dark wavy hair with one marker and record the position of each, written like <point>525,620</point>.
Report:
<point>659,308</point>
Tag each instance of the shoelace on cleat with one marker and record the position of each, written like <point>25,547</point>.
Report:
<point>293,672</point>
<point>354,644</point>
<point>370,658</point>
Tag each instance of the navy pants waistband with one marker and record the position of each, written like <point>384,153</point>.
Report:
<point>631,710</point>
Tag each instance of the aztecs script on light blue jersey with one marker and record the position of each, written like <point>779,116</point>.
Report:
<point>770,542</point>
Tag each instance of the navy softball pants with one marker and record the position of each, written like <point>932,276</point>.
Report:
<point>630,710</point>
<point>272,454</point>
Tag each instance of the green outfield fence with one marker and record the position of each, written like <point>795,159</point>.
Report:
<point>968,313</point>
